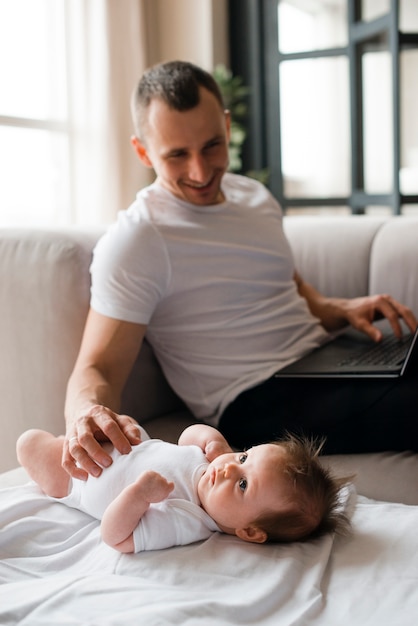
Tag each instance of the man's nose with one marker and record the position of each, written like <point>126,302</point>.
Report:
<point>198,169</point>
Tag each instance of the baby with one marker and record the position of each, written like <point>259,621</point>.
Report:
<point>163,494</point>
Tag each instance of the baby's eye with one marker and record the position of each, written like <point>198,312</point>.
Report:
<point>242,457</point>
<point>242,484</point>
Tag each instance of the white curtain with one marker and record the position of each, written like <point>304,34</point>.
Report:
<point>108,51</point>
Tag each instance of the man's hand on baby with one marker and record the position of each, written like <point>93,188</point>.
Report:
<point>153,487</point>
<point>83,452</point>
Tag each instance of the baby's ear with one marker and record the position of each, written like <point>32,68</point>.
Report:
<point>252,534</point>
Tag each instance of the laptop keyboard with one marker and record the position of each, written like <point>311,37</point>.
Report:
<point>390,350</point>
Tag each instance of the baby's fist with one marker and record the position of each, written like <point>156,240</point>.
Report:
<point>154,487</point>
<point>216,448</point>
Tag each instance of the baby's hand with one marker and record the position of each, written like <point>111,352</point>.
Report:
<point>154,487</point>
<point>216,448</point>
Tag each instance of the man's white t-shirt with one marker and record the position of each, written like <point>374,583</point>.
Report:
<point>178,520</point>
<point>214,284</point>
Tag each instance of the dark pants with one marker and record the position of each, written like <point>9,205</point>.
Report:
<point>355,415</point>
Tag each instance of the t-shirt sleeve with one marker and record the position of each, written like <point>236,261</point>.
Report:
<point>130,270</point>
<point>171,523</point>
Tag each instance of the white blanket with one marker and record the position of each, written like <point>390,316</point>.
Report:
<point>55,570</point>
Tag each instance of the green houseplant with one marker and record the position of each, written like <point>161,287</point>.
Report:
<point>235,94</point>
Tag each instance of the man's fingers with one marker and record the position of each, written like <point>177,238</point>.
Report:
<point>83,449</point>
<point>69,463</point>
<point>403,312</point>
<point>88,449</point>
<point>130,428</point>
<point>394,312</point>
<point>74,471</point>
<point>121,430</point>
<point>382,307</point>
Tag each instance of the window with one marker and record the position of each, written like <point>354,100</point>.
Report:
<point>34,126</point>
<point>65,122</point>
<point>333,100</point>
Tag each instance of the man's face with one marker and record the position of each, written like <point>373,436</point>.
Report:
<point>187,149</point>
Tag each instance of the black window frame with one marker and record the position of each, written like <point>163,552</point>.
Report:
<point>255,56</point>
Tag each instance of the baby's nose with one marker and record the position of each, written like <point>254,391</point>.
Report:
<point>230,469</point>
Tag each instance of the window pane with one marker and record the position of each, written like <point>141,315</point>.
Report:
<point>408,16</point>
<point>372,9</point>
<point>409,122</point>
<point>378,123</point>
<point>32,163</point>
<point>32,59</point>
<point>312,25</point>
<point>315,127</point>
<point>408,12</point>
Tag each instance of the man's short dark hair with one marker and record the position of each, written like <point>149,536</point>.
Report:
<point>176,83</point>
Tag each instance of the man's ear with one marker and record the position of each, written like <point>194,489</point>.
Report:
<point>252,534</point>
<point>141,151</point>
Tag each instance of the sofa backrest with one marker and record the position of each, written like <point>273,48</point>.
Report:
<point>394,261</point>
<point>333,253</point>
<point>351,256</point>
<point>44,299</point>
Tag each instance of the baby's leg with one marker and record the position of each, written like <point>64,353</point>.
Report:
<point>40,452</point>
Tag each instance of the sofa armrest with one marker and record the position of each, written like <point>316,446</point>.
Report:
<point>44,296</point>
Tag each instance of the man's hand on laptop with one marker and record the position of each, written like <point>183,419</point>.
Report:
<point>362,312</point>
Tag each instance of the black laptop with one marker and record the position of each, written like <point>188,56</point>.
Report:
<point>353,354</point>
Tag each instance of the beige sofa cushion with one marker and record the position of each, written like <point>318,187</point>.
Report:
<point>394,261</point>
<point>333,253</point>
<point>44,294</point>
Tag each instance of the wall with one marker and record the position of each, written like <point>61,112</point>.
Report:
<point>191,30</point>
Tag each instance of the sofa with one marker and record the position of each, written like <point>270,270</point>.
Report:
<point>44,299</point>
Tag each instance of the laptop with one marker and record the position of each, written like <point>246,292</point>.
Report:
<point>352,354</point>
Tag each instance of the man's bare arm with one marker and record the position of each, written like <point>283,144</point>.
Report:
<point>107,354</point>
<point>335,313</point>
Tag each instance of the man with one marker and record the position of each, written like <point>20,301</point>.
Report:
<point>199,263</point>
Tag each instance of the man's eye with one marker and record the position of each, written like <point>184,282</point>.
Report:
<point>213,144</point>
<point>242,484</point>
<point>242,458</point>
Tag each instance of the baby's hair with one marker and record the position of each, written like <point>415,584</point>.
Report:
<point>313,496</point>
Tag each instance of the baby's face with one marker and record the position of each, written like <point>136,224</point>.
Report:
<point>238,487</point>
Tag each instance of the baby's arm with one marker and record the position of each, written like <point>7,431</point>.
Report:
<point>210,440</point>
<point>122,516</point>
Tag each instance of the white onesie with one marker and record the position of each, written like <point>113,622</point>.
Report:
<point>178,520</point>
